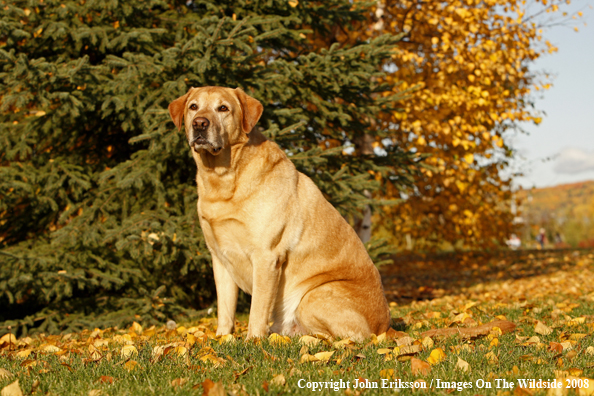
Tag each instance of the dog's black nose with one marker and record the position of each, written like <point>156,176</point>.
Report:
<point>200,123</point>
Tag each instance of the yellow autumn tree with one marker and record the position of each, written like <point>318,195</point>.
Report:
<point>471,66</point>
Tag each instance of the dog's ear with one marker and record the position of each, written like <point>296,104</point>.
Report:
<point>176,110</point>
<point>252,110</point>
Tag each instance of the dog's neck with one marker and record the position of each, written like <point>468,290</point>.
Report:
<point>217,175</point>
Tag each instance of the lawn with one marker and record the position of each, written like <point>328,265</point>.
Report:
<point>469,324</point>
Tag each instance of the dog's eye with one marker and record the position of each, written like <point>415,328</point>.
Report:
<point>193,106</point>
<point>223,108</point>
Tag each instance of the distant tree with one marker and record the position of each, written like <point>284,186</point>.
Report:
<point>98,223</point>
<point>472,66</point>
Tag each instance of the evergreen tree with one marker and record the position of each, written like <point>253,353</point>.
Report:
<point>98,223</point>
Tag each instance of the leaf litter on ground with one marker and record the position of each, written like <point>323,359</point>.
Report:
<point>530,316</point>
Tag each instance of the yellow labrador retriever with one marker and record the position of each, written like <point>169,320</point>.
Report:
<point>270,230</point>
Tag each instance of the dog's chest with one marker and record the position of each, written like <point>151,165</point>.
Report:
<point>228,239</point>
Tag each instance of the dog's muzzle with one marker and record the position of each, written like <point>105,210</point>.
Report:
<point>200,126</point>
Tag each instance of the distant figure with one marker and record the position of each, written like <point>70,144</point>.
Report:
<point>558,238</point>
<point>541,238</point>
<point>514,242</point>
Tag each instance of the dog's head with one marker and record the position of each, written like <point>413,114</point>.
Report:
<point>215,117</point>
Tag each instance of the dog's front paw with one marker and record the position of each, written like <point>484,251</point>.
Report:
<point>252,334</point>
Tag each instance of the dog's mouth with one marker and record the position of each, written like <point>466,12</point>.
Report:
<point>200,143</point>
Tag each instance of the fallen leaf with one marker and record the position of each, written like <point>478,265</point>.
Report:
<point>51,349</point>
<point>306,357</point>
<point>463,365</point>
<point>128,351</point>
<point>472,332</point>
<point>492,358</point>
<point>555,347</point>
<point>575,372</point>
<point>588,351</point>
<point>427,343</point>
<point>95,392</point>
<point>105,379</point>
<point>404,341</point>
<point>324,356</point>
<point>309,340</point>
<point>131,365</point>
<point>12,390</point>
<point>419,367</point>
<point>136,327</point>
<point>278,380</point>
<point>387,373</point>
<point>225,339</point>
<point>179,382</point>
<point>5,374</point>
<point>542,329</point>
<point>437,355</point>
<point>383,351</point>
<point>207,386</point>
<point>392,334</point>
<point>343,343</point>
<point>7,339</point>
<point>566,345</point>
<point>181,351</point>
<point>278,339</point>
<point>407,350</point>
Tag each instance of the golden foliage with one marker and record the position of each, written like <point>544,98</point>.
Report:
<point>468,66</point>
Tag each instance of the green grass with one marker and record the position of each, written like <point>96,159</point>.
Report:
<point>562,289</point>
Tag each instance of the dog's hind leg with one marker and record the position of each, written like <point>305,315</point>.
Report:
<point>335,310</point>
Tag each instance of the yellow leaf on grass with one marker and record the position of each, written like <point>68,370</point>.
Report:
<point>306,357</point>
<point>437,355</point>
<point>24,353</point>
<point>543,329</point>
<point>179,382</point>
<point>136,327</point>
<point>128,351</point>
<point>294,3</point>
<point>407,350</point>
<point>343,343</point>
<point>7,339</point>
<point>309,340</point>
<point>131,365</point>
<point>181,351</point>
<point>4,374</point>
<point>404,341</point>
<point>462,365</point>
<point>492,358</point>
<point>50,349</point>
<point>278,380</point>
<point>278,339</point>
<point>12,390</point>
<point>324,356</point>
<point>590,351</point>
<point>225,339</point>
<point>387,373</point>
<point>428,343</point>
<point>383,351</point>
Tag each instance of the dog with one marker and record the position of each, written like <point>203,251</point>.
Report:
<point>271,232</point>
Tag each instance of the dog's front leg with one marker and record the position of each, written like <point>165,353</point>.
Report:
<point>267,272</point>
<point>226,297</point>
